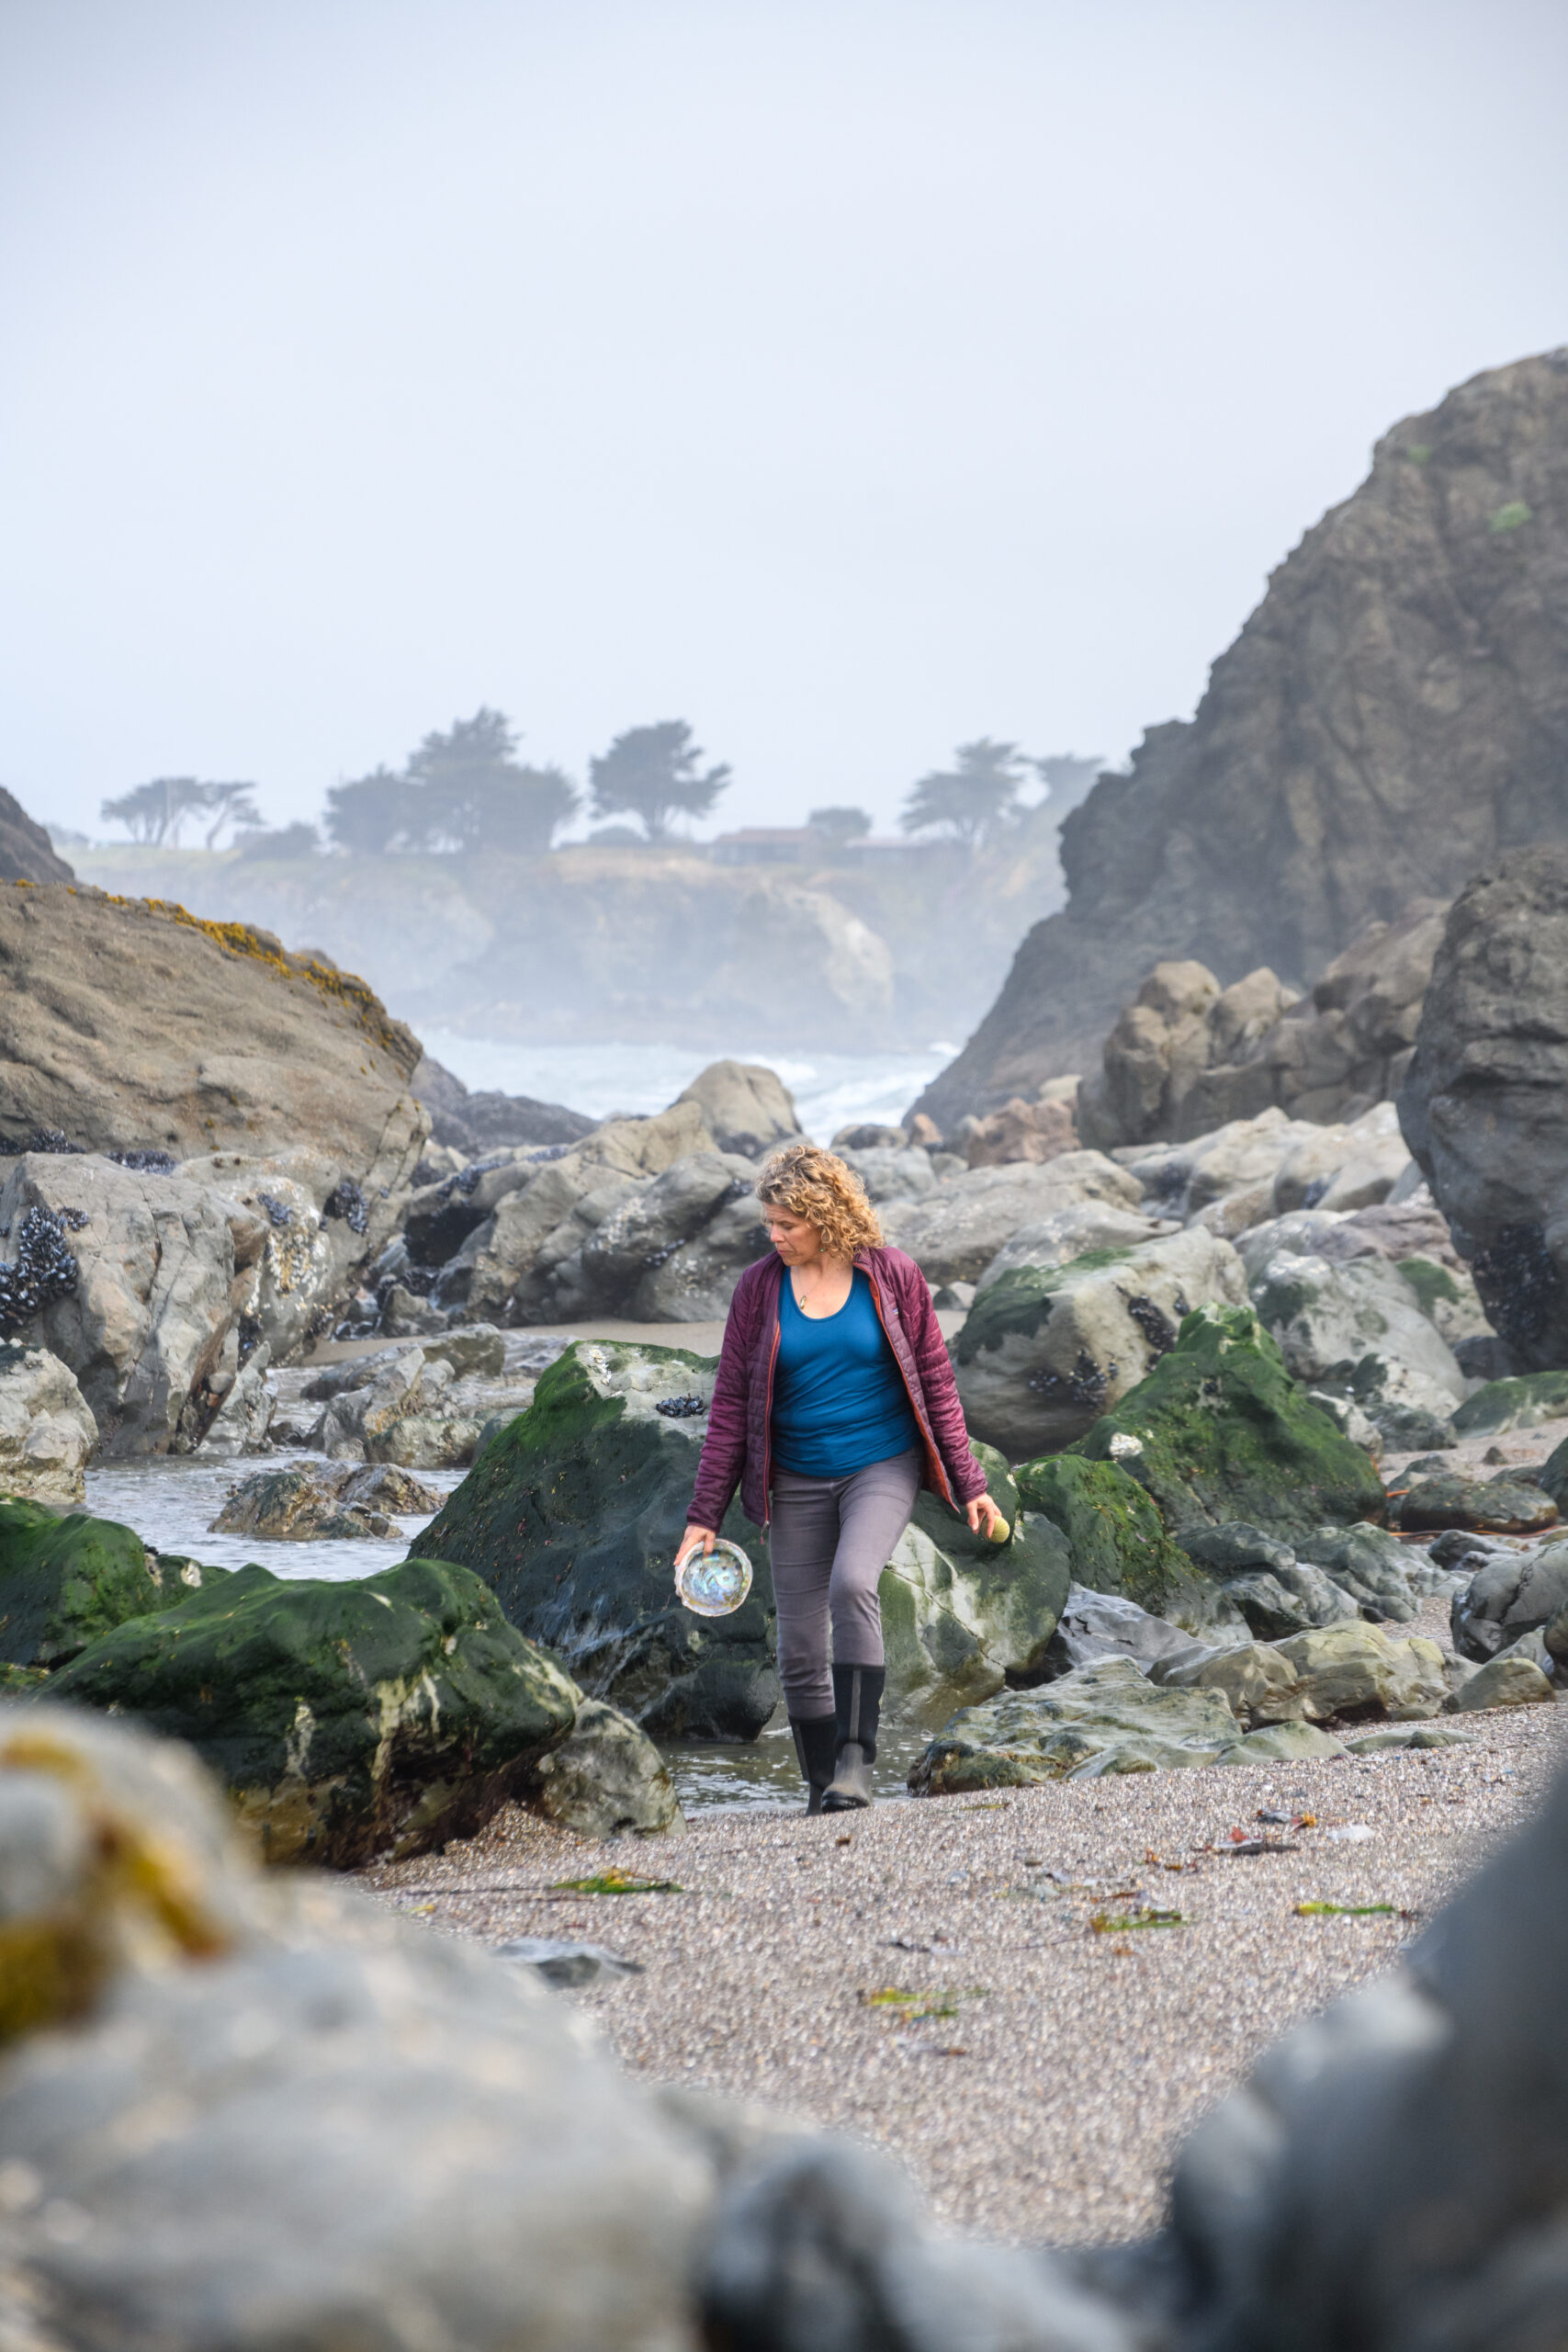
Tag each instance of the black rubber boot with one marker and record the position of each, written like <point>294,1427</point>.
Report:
<point>815,1746</point>
<point>857,1694</point>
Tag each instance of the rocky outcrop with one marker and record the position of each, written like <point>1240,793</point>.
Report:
<point>346,1719</point>
<point>607,1778</point>
<point>26,854</point>
<point>126,1024</point>
<point>1044,1351</point>
<point>1358,1328</point>
<point>490,1121</point>
<point>47,1431</point>
<point>149,1321</point>
<point>1393,715</point>
<point>1481,1106</point>
<point>1187,1055</point>
<point>1115,1538</point>
<point>308,1502</point>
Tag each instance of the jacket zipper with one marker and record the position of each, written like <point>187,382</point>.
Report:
<point>934,1457</point>
<point>768,1429</point>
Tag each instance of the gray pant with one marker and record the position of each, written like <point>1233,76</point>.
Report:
<point>830,1543</point>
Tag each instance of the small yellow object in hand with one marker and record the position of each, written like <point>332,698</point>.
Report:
<point>1000,1530</point>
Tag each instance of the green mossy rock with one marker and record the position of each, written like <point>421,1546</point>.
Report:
<point>963,1617</point>
<point>1223,1432</point>
<point>345,1719</point>
<point>1520,1404</point>
<point>65,1579</point>
<point>1115,1537</point>
<point>572,1515</point>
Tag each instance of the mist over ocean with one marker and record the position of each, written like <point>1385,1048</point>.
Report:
<point>830,1090</point>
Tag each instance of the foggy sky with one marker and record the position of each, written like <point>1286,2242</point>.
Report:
<point>850,380</point>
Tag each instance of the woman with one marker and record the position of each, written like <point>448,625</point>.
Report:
<point>834,1405</point>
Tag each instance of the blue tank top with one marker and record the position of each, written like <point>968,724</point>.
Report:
<point>839,1402</point>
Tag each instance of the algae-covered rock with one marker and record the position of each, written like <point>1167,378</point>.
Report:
<point>572,1515</point>
<point>1219,1430</point>
<point>302,1502</point>
<point>606,1779</point>
<point>1045,1349</point>
<point>1116,1541</point>
<point>343,1718</point>
<point>1100,1718</point>
<point>1503,1505</point>
<point>66,1580</point>
<point>962,1617</point>
<point>1520,1404</point>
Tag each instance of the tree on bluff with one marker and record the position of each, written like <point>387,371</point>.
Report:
<point>155,812</point>
<point>971,800</point>
<point>651,773</point>
<point>464,790</point>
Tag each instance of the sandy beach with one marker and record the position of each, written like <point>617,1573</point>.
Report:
<point>948,1978</point>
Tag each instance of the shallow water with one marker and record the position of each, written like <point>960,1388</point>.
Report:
<point>172,1503</point>
<point>830,1090</point>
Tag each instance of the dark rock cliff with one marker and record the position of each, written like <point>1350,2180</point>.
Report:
<point>26,854</point>
<point>1393,715</point>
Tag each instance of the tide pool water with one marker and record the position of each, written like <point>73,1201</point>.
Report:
<point>830,1090</point>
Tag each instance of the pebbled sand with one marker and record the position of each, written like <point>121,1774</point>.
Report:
<point>1049,2104</point>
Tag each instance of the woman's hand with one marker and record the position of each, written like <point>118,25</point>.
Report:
<point>995,1530</point>
<point>695,1536</point>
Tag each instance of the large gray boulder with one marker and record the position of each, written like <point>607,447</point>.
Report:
<point>674,1250</point>
<point>1045,1350</point>
<point>47,1432</point>
<point>522,1263</point>
<point>1070,1233</point>
<point>954,1232</point>
<point>1358,1328</point>
<point>746,1107</point>
<point>1481,1104</point>
<point>151,1326</point>
<point>1512,1593</point>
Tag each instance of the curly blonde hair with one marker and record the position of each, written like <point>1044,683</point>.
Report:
<point>812,1183</point>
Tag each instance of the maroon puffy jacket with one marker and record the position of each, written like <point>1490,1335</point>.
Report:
<point>736,1449</point>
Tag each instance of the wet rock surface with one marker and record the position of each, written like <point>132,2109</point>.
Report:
<point>306,1503</point>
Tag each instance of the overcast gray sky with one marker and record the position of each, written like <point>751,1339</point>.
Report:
<point>848,379</point>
